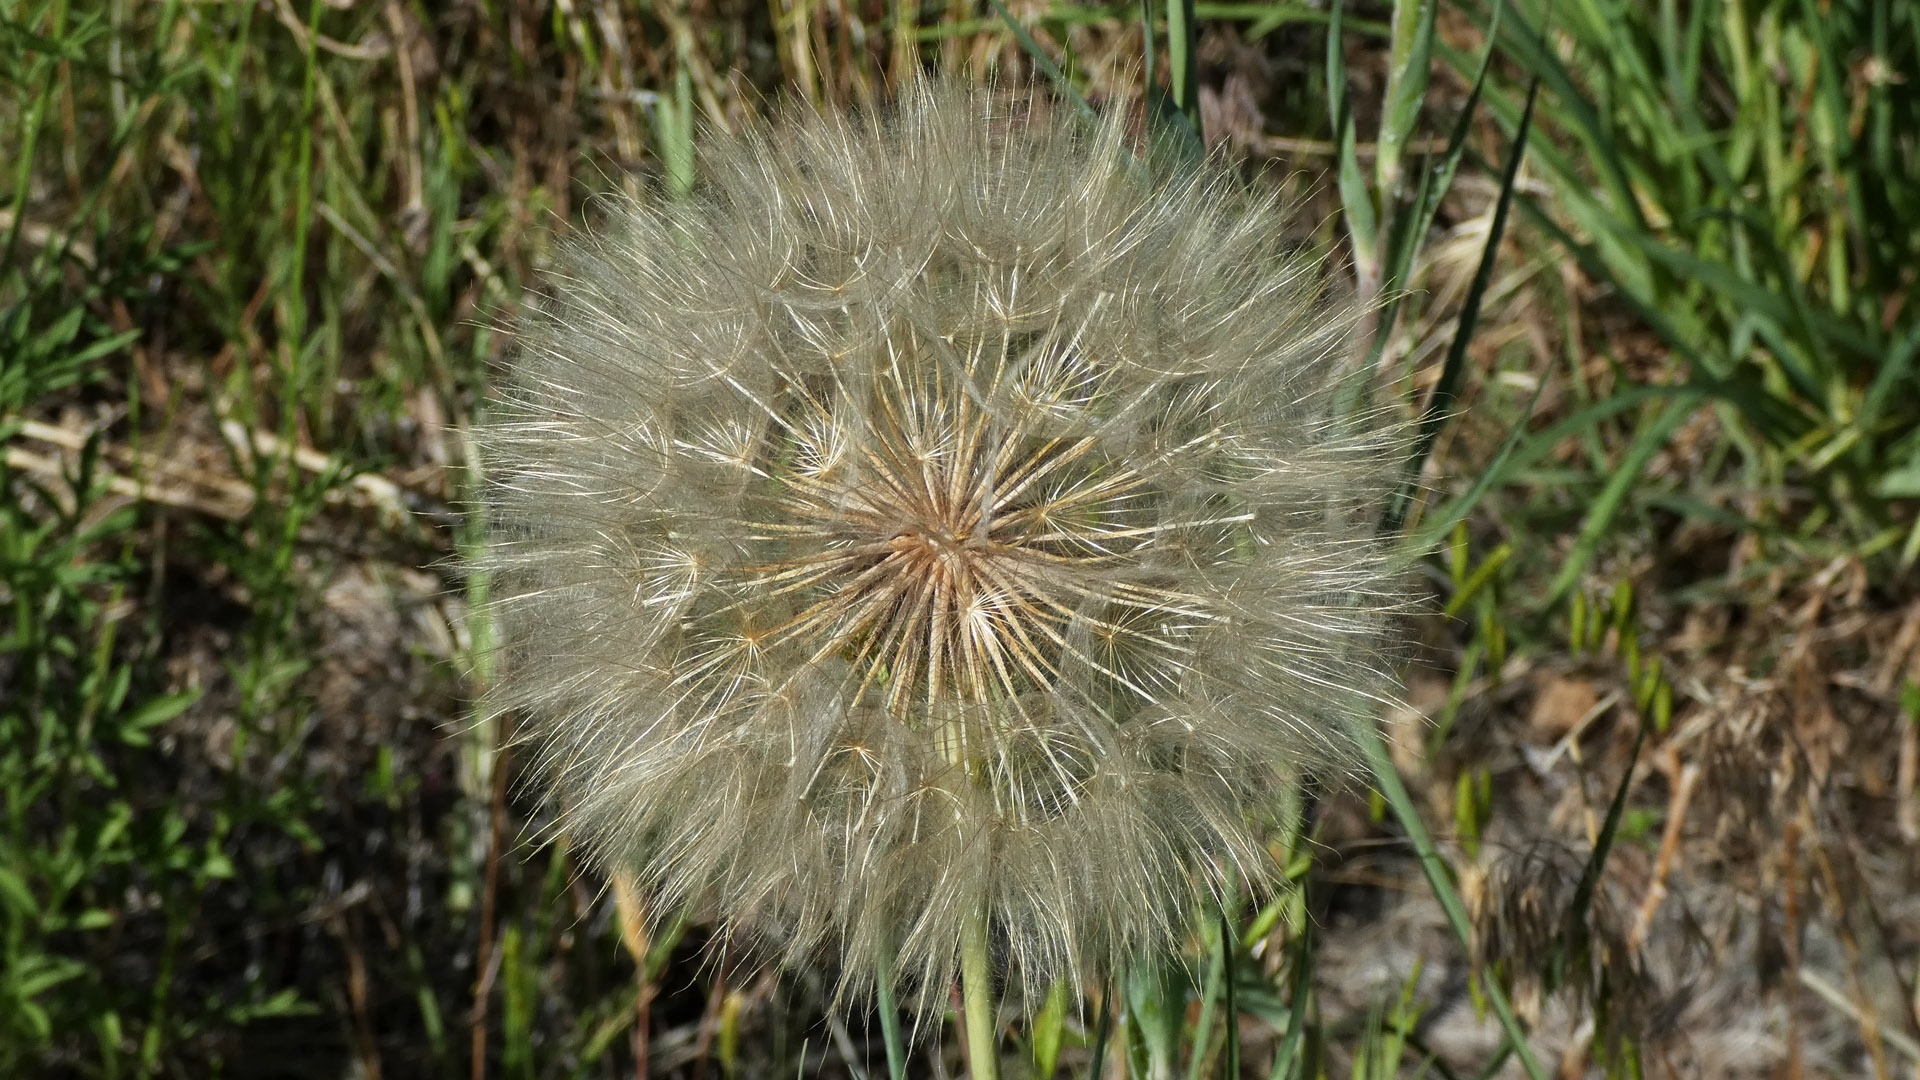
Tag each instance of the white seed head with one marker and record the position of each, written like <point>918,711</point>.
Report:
<point>933,516</point>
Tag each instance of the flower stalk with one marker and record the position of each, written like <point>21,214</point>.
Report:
<point>981,1004</point>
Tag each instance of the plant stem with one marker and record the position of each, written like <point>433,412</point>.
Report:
<point>976,990</point>
<point>889,1014</point>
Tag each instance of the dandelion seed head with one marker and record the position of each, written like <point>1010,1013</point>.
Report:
<point>931,516</point>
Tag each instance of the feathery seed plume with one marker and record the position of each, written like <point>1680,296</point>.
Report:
<point>932,517</point>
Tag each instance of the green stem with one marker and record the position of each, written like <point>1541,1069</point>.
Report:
<point>976,989</point>
<point>889,1014</point>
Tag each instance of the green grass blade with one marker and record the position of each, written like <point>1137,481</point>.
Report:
<point>1047,1029</point>
<point>1520,452</point>
<point>1287,1061</point>
<point>1525,45</point>
<point>1218,974</point>
<point>1183,65</point>
<point>1218,989</point>
<point>1057,78</point>
<point>1147,47</point>
<point>1427,535</point>
<point>1818,327</point>
<point>1779,420</point>
<point>1102,1035</point>
<point>1450,373</point>
<point>1229,957</point>
<point>1409,64</point>
<point>1891,373</point>
<point>1440,878</point>
<point>1174,140</point>
<point>1410,229</point>
<point>1355,199</point>
<point>673,132</point>
<point>1577,939</point>
<point>1157,1008</point>
<point>1457,140</point>
<point>1646,443</point>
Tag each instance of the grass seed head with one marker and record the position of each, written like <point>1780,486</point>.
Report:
<point>933,516</point>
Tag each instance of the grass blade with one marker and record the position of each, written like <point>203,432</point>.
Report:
<point>1456,141</point>
<point>1287,1059</point>
<point>1157,1006</point>
<point>1409,230</point>
<point>1387,778</point>
<point>673,130</point>
<point>1450,372</point>
<point>1218,986</point>
<point>1229,955</point>
<point>1525,45</point>
<point>1427,535</point>
<point>1520,452</point>
<point>1046,1030</point>
<point>1061,84</point>
<point>1101,1035</point>
<point>1183,66</point>
<point>1646,443</point>
<point>1355,199</point>
<point>1174,140</point>
<point>1892,372</point>
<point>1576,941</point>
<point>1409,64</point>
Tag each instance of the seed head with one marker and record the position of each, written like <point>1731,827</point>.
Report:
<point>932,516</point>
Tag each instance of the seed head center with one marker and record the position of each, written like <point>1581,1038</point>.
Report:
<point>944,544</point>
